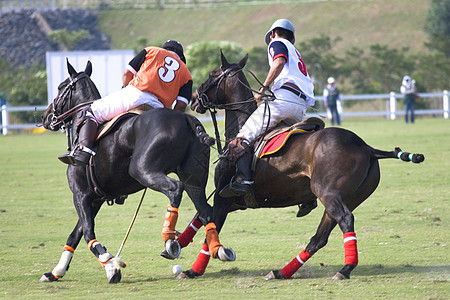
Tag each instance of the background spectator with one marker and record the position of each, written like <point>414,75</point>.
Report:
<point>333,102</point>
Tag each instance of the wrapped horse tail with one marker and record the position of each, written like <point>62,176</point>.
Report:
<point>200,131</point>
<point>399,154</point>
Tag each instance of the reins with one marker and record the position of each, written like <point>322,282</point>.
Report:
<point>74,110</point>
<point>211,106</point>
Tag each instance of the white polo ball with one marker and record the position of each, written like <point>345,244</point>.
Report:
<point>177,270</point>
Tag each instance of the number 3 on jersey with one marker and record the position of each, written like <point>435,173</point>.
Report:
<point>167,73</point>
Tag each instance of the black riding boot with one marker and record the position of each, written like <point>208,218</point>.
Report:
<point>82,152</point>
<point>242,181</point>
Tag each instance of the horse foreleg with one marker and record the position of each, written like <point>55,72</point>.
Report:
<point>87,210</point>
<point>66,257</point>
<point>186,237</point>
<point>199,266</point>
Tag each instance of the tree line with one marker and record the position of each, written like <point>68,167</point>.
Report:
<point>378,69</point>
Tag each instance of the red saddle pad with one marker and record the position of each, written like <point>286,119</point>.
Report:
<point>277,142</point>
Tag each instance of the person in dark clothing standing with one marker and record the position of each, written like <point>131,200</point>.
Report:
<point>332,101</point>
<point>408,89</point>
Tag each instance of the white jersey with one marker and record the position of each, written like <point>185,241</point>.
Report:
<point>294,71</point>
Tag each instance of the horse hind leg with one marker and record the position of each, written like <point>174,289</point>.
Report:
<point>173,189</point>
<point>342,215</point>
<point>318,241</point>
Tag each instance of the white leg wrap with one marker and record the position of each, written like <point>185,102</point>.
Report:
<point>60,270</point>
<point>105,257</point>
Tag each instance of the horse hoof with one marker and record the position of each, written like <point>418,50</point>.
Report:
<point>48,277</point>
<point>113,272</point>
<point>275,274</point>
<point>187,274</point>
<point>181,276</point>
<point>173,249</point>
<point>226,254</point>
<point>339,276</point>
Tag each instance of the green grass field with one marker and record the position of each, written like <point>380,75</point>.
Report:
<point>403,232</point>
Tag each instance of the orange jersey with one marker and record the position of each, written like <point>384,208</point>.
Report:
<point>162,74</point>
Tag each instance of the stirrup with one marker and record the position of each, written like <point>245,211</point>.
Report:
<point>236,189</point>
<point>68,158</point>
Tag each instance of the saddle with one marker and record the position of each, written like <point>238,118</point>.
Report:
<point>277,138</point>
<point>273,142</point>
<point>106,127</point>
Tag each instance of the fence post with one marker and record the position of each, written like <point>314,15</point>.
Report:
<point>392,106</point>
<point>445,104</point>
<point>4,120</point>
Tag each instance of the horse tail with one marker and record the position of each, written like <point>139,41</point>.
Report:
<point>399,154</point>
<point>200,131</point>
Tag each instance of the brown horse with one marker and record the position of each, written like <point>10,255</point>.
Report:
<point>333,164</point>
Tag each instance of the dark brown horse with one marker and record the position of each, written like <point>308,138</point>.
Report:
<point>333,164</point>
<point>138,153</point>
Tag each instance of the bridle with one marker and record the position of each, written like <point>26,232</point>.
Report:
<point>63,119</point>
<point>64,99</point>
<point>206,104</point>
<point>203,98</point>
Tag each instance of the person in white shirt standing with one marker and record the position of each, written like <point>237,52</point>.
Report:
<point>293,90</point>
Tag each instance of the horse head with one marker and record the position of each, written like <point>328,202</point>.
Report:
<point>78,88</point>
<point>224,88</point>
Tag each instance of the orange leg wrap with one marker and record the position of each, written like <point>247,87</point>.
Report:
<point>168,231</point>
<point>91,242</point>
<point>212,238</point>
<point>68,248</point>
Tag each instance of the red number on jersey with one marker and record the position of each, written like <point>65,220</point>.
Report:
<point>301,64</point>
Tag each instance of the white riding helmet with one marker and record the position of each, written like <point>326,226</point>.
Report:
<point>331,80</point>
<point>280,23</point>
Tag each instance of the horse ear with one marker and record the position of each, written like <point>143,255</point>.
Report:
<point>225,63</point>
<point>243,61</point>
<point>70,68</point>
<point>88,69</point>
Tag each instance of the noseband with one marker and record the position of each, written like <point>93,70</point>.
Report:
<point>65,97</point>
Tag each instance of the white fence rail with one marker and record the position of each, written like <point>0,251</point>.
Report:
<point>390,111</point>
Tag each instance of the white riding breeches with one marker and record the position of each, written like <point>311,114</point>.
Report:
<point>287,107</point>
<point>129,97</point>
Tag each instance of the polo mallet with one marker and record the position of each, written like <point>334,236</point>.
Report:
<point>117,259</point>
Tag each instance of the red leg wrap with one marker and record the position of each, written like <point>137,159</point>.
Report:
<point>295,264</point>
<point>188,234</point>
<point>350,249</point>
<point>202,261</point>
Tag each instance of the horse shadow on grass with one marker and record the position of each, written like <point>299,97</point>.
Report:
<point>439,272</point>
<point>435,272</point>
